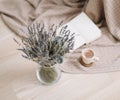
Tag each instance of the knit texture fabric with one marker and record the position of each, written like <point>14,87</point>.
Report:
<point>18,14</point>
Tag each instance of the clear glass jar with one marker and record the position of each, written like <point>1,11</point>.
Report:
<point>48,75</point>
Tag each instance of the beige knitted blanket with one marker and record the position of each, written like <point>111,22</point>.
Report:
<point>17,14</point>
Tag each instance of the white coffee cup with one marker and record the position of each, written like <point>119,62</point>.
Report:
<point>88,56</point>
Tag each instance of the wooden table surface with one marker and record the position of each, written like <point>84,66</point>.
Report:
<point>18,80</point>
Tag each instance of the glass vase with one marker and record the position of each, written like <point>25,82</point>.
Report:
<point>48,75</point>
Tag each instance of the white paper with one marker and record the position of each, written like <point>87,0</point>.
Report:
<point>85,30</point>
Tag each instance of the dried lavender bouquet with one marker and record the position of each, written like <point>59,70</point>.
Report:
<point>46,47</point>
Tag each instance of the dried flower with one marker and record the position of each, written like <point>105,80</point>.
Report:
<point>46,48</point>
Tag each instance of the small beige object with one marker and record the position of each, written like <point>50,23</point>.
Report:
<point>88,56</point>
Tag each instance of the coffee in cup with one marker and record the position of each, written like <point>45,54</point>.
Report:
<point>88,56</point>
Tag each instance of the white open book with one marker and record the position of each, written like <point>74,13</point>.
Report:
<point>85,30</point>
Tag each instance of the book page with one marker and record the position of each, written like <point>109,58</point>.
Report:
<point>85,30</point>
<point>84,25</point>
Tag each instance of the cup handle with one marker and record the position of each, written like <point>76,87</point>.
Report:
<point>96,59</point>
